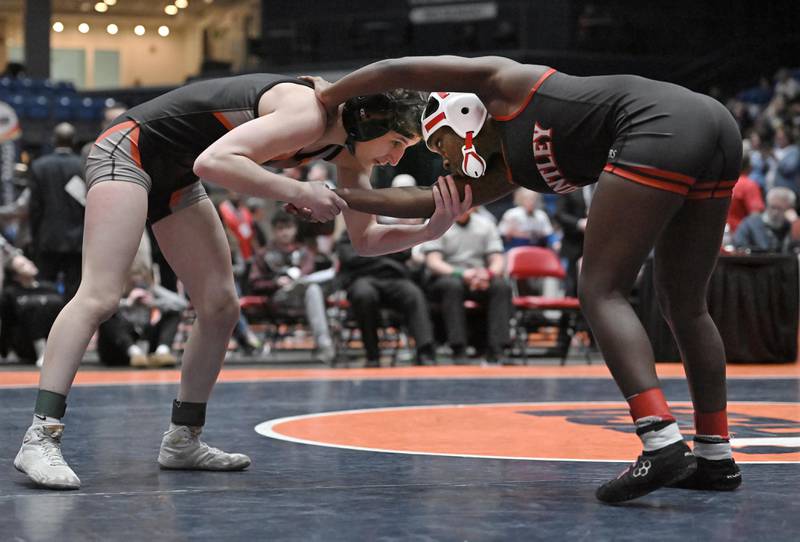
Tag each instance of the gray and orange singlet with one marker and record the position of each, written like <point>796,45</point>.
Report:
<point>571,129</point>
<point>156,143</point>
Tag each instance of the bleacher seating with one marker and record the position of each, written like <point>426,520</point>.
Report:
<point>45,100</point>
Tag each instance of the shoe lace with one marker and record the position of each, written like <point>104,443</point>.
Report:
<point>51,448</point>
<point>195,432</point>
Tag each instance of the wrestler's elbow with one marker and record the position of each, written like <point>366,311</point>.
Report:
<point>362,246</point>
<point>206,165</point>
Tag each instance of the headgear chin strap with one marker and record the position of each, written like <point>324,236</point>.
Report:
<point>473,165</point>
<point>465,114</point>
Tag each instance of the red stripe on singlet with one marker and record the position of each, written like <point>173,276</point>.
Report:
<point>528,99</point>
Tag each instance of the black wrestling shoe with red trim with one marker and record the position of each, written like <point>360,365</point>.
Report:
<point>712,475</point>
<point>651,471</point>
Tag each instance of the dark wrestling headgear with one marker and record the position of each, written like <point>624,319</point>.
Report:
<point>369,117</point>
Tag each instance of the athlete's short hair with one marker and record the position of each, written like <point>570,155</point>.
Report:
<point>410,105</point>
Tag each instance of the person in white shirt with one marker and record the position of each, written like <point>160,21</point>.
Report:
<point>525,224</point>
<point>467,262</point>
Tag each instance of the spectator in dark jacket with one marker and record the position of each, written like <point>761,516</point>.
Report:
<point>379,282</point>
<point>57,200</point>
<point>571,214</point>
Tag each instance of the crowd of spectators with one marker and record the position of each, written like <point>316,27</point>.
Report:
<point>451,296</point>
<point>769,119</point>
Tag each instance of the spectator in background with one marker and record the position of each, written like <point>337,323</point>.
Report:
<point>319,171</point>
<point>7,254</point>
<point>761,160</point>
<point>56,210</point>
<point>467,262</point>
<point>786,85</point>
<point>770,231</point>
<point>283,274</point>
<point>572,211</point>
<point>373,283</point>
<point>257,208</point>
<point>147,312</point>
<point>27,308</point>
<point>404,180</point>
<point>239,224</point>
<point>239,228</point>
<point>787,160</point>
<point>16,214</point>
<point>525,224</point>
<point>746,200</point>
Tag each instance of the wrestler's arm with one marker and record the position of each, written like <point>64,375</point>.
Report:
<point>294,120</point>
<point>417,202</point>
<point>500,82</point>
<point>372,239</point>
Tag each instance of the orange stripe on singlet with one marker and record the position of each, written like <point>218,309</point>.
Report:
<point>536,86</point>
<point>134,137</point>
<point>223,120</point>
<point>647,181</point>
<point>116,128</point>
<point>669,175</point>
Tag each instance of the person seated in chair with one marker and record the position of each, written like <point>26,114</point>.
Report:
<point>147,312</point>
<point>379,282</point>
<point>28,308</point>
<point>467,262</point>
<point>526,224</point>
<point>282,272</point>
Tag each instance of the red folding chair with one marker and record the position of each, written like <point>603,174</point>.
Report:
<point>533,263</point>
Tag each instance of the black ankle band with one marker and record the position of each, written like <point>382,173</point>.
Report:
<point>184,413</point>
<point>657,426</point>
<point>50,404</point>
<point>711,439</point>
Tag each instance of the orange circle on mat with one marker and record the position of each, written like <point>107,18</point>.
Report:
<point>578,431</point>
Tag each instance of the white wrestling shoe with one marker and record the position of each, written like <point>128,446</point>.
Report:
<point>40,458</point>
<point>181,448</point>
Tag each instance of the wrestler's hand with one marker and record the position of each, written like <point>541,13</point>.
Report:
<point>323,202</point>
<point>320,85</point>
<point>448,206</point>
<point>303,214</point>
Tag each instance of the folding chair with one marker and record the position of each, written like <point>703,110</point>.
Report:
<point>537,262</point>
<point>392,331</point>
<point>274,322</point>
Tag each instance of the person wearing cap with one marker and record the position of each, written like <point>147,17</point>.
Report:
<point>146,167</point>
<point>665,161</point>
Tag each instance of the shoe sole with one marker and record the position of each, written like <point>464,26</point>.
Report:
<point>711,487</point>
<point>43,485</point>
<point>210,469</point>
<point>687,471</point>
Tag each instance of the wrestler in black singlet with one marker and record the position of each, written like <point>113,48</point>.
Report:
<point>571,129</point>
<point>164,136</point>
